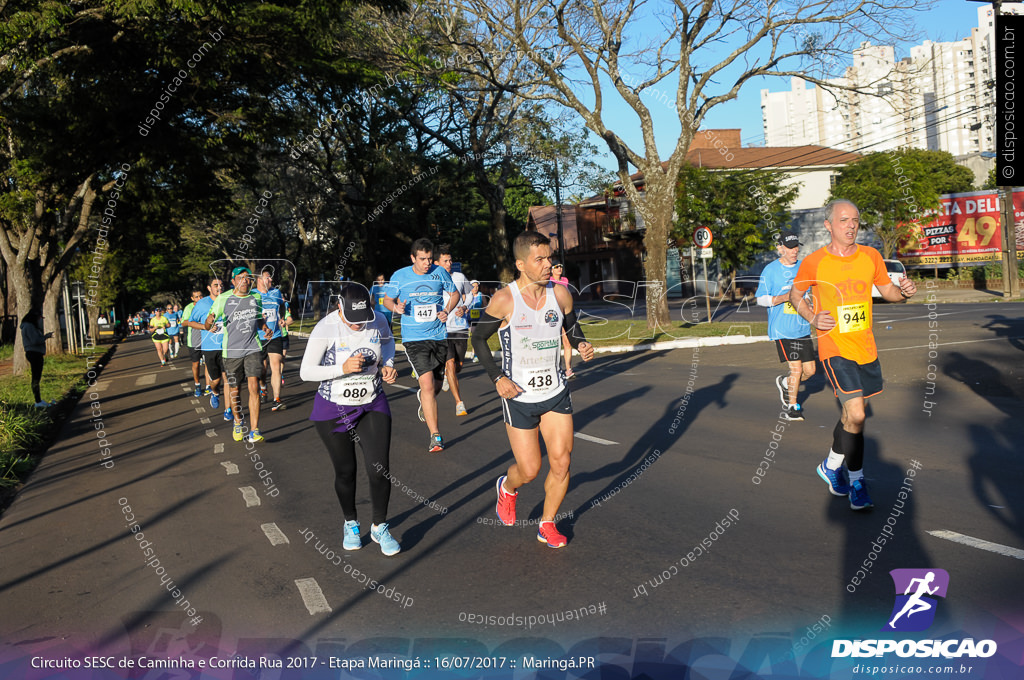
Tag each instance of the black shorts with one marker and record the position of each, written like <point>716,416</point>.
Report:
<point>457,345</point>
<point>426,356</point>
<point>273,346</point>
<point>214,363</point>
<point>795,349</point>
<point>240,368</point>
<point>850,379</point>
<point>284,342</point>
<point>527,416</point>
<point>195,354</point>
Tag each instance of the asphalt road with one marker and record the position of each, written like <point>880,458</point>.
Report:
<point>653,475</point>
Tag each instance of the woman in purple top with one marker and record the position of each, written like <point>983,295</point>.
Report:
<point>557,275</point>
<point>351,354</point>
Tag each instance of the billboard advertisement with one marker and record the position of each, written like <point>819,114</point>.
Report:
<point>966,229</point>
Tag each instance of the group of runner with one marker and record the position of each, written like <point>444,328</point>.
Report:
<point>350,354</point>
<point>830,290</point>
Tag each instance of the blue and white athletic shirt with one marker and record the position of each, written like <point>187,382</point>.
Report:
<point>531,344</point>
<point>211,340</point>
<point>783,321</point>
<point>273,310</point>
<point>458,324</point>
<point>175,320</point>
<point>423,296</point>
<point>332,342</point>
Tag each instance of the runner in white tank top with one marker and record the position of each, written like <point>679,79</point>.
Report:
<point>529,315</point>
<point>530,344</point>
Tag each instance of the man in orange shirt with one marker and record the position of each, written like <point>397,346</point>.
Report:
<point>841,274</point>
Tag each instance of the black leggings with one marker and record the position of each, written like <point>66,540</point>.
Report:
<point>35,361</point>
<point>373,432</point>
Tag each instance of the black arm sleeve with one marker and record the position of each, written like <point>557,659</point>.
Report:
<point>485,328</point>
<point>572,330</point>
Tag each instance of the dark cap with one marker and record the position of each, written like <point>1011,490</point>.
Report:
<point>355,304</point>
<point>788,238</point>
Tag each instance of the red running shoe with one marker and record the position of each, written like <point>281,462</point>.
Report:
<point>547,532</point>
<point>506,507</point>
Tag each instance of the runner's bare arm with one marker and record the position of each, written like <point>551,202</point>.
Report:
<point>821,320</point>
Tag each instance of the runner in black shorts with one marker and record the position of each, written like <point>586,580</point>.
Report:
<point>193,337</point>
<point>457,326</point>
<point>415,294</point>
<point>789,330</point>
<point>535,397</point>
<point>841,275</point>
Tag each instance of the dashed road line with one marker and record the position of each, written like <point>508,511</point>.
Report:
<point>218,448</point>
<point>249,495</point>
<point>312,596</point>
<point>148,379</point>
<point>980,544</point>
<point>274,534</point>
<point>230,467</point>
<point>211,432</point>
<point>596,440</point>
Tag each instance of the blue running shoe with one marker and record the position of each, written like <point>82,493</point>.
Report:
<point>836,480</point>
<point>380,535</point>
<point>353,541</point>
<point>227,415</point>
<point>859,499</point>
<point>214,401</point>
<point>197,392</point>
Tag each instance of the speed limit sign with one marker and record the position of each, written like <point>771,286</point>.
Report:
<point>702,237</point>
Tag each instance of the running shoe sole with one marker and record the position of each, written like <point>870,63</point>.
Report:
<point>832,490</point>
<point>792,416</point>
<point>783,390</point>
<point>436,444</point>
<point>278,406</point>
<point>861,496</point>
<point>388,552</point>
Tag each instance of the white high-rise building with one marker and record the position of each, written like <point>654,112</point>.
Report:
<point>940,97</point>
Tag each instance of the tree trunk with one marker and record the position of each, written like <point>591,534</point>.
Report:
<point>51,319</point>
<point>27,298</point>
<point>499,240</point>
<point>656,210</point>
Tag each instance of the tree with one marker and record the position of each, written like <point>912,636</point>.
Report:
<point>894,189</point>
<point>743,209</point>
<point>991,182</point>
<point>588,50</point>
<point>75,106</point>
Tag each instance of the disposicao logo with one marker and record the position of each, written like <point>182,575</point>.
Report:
<point>913,611</point>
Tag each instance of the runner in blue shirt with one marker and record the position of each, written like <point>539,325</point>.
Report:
<point>273,351</point>
<point>789,330</point>
<point>416,294</point>
<point>211,344</point>
<point>173,315</point>
<point>377,292</point>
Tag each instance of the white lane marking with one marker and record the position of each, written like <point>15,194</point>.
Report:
<point>923,316</point>
<point>231,468</point>
<point>979,544</point>
<point>274,534</point>
<point>218,448</point>
<point>943,344</point>
<point>211,432</point>
<point>184,385</point>
<point>204,421</point>
<point>250,496</point>
<point>403,387</point>
<point>148,379</point>
<point>193,401</point>
<point>596,440</point>
<point>101,385</point>
<point>312,596</point>
<point>200,409</point>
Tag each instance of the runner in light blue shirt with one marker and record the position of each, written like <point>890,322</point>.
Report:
<point>790,331</point>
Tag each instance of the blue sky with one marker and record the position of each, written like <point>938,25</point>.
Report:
<point>948,20</point>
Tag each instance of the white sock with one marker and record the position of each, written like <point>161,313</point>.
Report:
<point>834,460</point>
<point>854,476</point>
